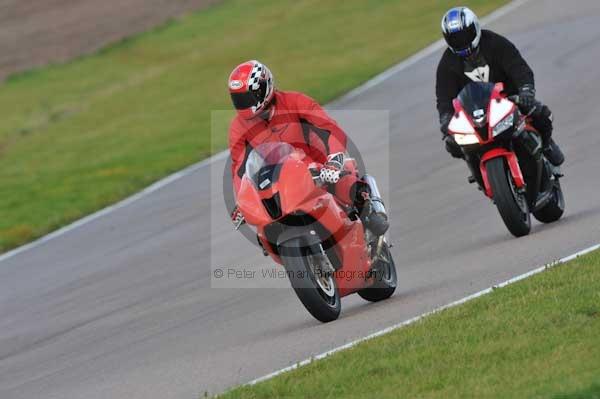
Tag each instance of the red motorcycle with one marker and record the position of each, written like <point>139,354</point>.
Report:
<point>326,251</point>
<point>504,153</point>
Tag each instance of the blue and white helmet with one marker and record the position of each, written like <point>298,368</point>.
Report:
<point>461,30</point>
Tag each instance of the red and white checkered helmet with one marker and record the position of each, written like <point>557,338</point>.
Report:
<point>252,87</point>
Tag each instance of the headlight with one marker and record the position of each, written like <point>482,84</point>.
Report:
<point>466,139</point>
<point>504,124</point>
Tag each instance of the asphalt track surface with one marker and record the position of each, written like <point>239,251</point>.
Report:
<point>122,307</point>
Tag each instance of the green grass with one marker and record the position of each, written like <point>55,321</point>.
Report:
<point>77,137</point>
<point>539,338</point>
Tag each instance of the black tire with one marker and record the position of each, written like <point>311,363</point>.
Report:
<point>516,217</point>
<point>554,209</point>
<point>296,259</point>
<point>386,278</point>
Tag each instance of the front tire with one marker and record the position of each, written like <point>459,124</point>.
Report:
<point>511,204</point>
<point>385,277</point>
<point>555,208</point>
<point>318,294</point>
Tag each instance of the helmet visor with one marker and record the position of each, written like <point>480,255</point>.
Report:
<point>250,98</point>
<point>462,39</point>
<point>244,100</point>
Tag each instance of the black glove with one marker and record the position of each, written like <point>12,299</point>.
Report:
<point>336,161</point>
<point>453,148</point>
<point>444,123</point>
<point>527,98</point>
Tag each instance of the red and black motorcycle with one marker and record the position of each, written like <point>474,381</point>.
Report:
<point>326,251</point>
<point>504,153</point>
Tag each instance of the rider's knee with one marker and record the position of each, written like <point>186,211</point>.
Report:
<point>543,121</point>
<point>546,113</point>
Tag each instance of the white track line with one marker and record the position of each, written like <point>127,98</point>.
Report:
<point>377,80</point>
<point>417,318</point>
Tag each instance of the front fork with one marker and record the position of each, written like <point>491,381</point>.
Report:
<point>513,165</point>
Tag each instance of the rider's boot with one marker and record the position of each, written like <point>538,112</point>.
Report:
<point>553,153</point>
<point>543,121</point>
<point>376,222</point>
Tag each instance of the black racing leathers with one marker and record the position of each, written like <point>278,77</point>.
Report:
<point>501,56</point>
<point>498,60</point>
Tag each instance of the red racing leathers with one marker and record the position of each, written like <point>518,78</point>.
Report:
<point>298,120</point>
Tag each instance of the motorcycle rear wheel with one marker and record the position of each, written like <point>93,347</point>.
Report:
<point>385,276</point>
<point>318,293</point>
<point>512,206</point>
<point>554,209</point>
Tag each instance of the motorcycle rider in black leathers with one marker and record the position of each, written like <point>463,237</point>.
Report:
<point>476,55</point>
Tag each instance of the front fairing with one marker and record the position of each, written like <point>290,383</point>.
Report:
<point>482,115</point>
<point>257,199</point>
<point>250,203</point>
<point>277,182</point>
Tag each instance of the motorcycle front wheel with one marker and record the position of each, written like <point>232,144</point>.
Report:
<point>511,204</point>
<point>316,290</point>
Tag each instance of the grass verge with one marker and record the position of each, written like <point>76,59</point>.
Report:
<point>77,137</point>
<point>539,338</point>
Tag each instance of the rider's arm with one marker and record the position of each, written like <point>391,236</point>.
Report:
<point>446,88</point>
<point>512,62</point>
<point>319,123</point>
<point>238,149</point>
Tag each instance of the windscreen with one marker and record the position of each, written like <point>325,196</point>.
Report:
<point>263,164</point>
<point>475,99</point>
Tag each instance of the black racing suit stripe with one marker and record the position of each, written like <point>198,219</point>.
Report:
<point>321,133</point>
<point>242,169</point>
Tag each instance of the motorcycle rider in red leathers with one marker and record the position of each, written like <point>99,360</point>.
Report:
<point>265,114</point>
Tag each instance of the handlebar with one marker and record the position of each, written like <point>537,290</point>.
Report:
<point>517,100</point>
